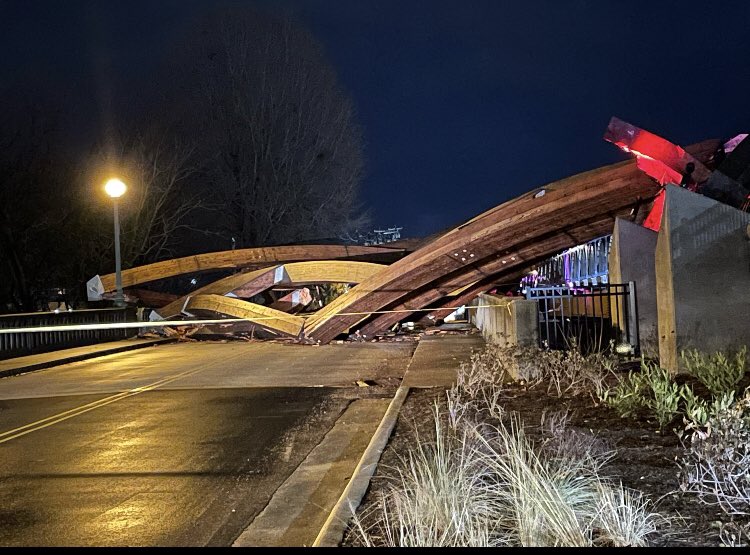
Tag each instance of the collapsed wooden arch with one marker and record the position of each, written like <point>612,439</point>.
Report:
<point>97,286</point>
<point>495,244</point>
<point>450,269</point>
<point>249,284</point>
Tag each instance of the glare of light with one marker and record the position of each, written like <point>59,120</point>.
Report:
<point>115,188</point>
<point>623,349</point>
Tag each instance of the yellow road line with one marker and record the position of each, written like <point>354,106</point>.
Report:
<point>65,415</point>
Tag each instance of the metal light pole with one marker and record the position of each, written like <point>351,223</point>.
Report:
<point>115,189</point>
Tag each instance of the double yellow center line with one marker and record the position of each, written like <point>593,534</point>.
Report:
<point>51,420</point>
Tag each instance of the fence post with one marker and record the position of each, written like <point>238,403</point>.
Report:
<point>633,335</point>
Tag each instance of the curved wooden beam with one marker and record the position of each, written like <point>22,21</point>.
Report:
<point>330,271</point>
<point>500,230</point>
<point>262,279</point>
<point>263,316</point>
<point>471,278</point>
<point>542,216</point>
<point>240,258</point>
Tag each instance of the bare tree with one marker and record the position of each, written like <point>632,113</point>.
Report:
<point>282,151</point>
<point>31,176</point>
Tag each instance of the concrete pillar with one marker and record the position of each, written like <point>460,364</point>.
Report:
<point>702,276</point>
<point>631,258</point>
<point>506,321</point>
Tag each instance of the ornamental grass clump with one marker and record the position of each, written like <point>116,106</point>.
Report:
<point>479,480</point>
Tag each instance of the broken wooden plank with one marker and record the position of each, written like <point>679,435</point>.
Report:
<point>152,299</point>
<point>294,301</point>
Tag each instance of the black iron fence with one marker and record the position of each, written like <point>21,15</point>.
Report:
<point>592,318</point>
<point>28,343</point>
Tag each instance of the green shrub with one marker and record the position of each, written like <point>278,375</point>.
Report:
<point>665,394</point>
<point>719,372</point>
<point>628,396</point>
<point>653,389</point>
<point>698,412</point>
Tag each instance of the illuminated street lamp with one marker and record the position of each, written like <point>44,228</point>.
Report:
<point>115,189</point>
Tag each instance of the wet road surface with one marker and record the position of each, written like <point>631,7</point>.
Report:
<point>175,445</point>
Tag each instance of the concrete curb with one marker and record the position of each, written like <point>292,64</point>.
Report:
<point>332,531</point>
<point>78,358</point>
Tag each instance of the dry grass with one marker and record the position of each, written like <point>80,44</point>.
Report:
<point>480,481</point>
<point>716,465</point>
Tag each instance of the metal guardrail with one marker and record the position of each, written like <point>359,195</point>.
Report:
<point>27,343</point>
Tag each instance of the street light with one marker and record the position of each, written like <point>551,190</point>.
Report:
<point>115,189</point>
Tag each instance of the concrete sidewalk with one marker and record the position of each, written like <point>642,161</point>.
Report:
<point>437,359</point>
<point>21,365</point>
<point>301,506</point>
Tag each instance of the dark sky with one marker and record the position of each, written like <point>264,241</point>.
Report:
<point>464,104</point>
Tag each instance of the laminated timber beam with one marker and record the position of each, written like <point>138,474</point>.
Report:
<point>490,270</point>
<point>240,259</point>
<point>152,299</point>
<point>445,306</point>
<point>664,161</point>
<point>294,301</point>
<point>330,271</point>
<point>248,284</point>
<point>263,316</point>
<point>545,212</point>
<point>527,218</point>
<point>261,280</point>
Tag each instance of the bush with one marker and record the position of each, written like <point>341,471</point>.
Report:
<point>716,466</point>
<point>486,485</point>
<point>628,396</point>
<point>720,372</point>
<point>652,389</point>
<point>665,394</point>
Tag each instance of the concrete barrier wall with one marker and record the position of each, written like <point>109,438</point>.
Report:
<point>506,321</point>
<point>702,276</point>
<point>631,258</point>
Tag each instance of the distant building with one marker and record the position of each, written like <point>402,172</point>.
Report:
<point>379,236</point>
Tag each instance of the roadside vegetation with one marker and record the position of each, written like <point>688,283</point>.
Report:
<point>482,476</point>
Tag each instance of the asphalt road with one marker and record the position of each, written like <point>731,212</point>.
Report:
<point>175,445</point>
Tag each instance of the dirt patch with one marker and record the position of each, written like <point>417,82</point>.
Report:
<point>646,457</point>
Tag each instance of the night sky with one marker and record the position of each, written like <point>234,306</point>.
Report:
<point>463,104</point>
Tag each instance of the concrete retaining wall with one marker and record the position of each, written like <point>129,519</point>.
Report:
<point>702,276</point>
<point>512,322</point>
<point>631,258</point>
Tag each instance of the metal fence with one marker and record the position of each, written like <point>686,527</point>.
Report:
<point>29,343</point>
<point>591,317</point>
